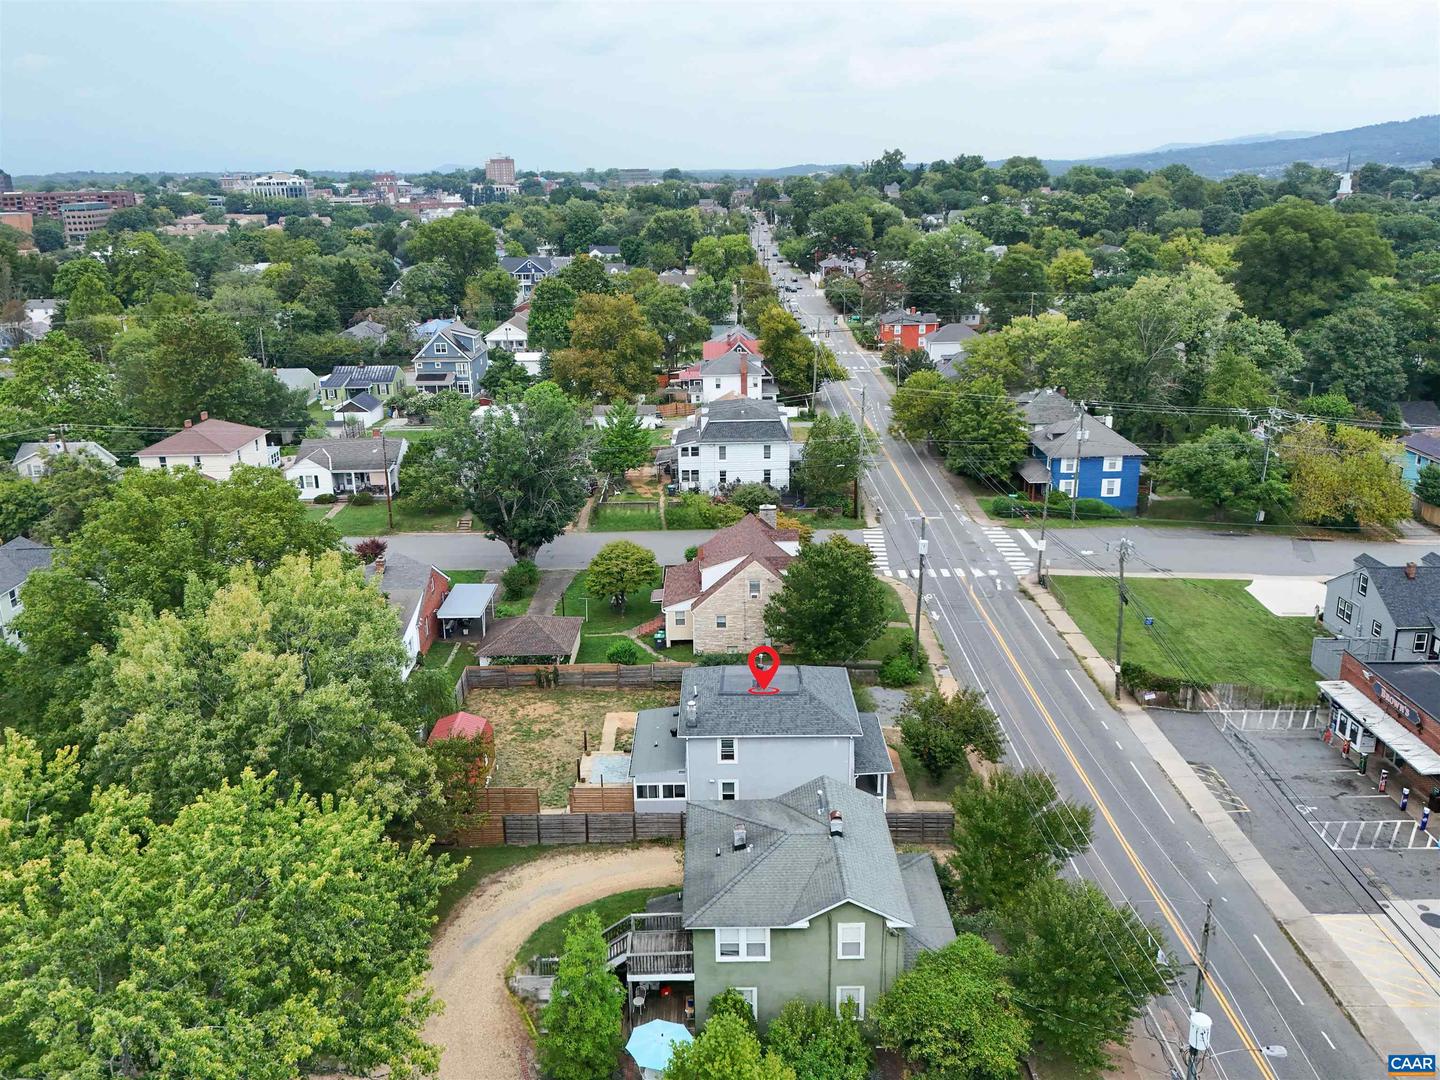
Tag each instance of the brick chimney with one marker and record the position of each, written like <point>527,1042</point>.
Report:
<point>767,514</point>
<point>744,373</point>
<point>1410,570</point>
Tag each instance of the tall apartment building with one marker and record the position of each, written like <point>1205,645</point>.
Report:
<point>50,202</point>
<point>281,185</point>
<point>6,184</point>
<point>633,177</point>
<point>239,181</point>
<point>81,219</point>
<point>500,170</point>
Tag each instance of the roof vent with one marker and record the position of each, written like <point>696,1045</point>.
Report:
<point>691,709</point>
<point>837,823</point>
<point>737,842</point>
<point>820,801</point>
<point>1410,570</point>
<point>188,423</point>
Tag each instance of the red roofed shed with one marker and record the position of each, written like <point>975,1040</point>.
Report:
<point>460,725</point>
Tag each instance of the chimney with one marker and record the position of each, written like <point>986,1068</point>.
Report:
<point>380,563</point>
<point>744,374</point>
<point>837,823</point>
<point>187,422</point>
<point>737,841</point>
<point>691,720</point>
<point>1410,570</point>
<point>767,514</point>
<point>204,415</point>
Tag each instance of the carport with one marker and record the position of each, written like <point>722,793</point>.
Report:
<point>466,611</point>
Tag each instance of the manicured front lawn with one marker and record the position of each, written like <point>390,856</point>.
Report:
<point>1218,631</point>
<point>593,648</point>
<point>485,861</point>
<point>372,521</point>
<point>895,607</point>
<point>603,619</point>
<point>317,513</point>
<point>814,520</point>
<point>609,519</point>
<point>440,656</point>
<point>681,652</point>
<point>549,937</point>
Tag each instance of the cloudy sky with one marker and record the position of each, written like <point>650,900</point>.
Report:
<point>405,85</point>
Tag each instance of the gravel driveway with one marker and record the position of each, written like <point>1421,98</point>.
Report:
<point>480,1033</point>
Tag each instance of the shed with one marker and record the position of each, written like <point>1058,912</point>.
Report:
<point>549,637</point>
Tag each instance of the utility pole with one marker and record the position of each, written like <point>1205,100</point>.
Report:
<point>1265,467</point>
<point>919,596</point>
<point>262,347</point>
<point>389,510</point>
<point>1079,457</point>
<point>1044,520</point>
<point>815,367</point>
<point>1193,1052</point>
<point>859,453</point>
<point>1126,548</point>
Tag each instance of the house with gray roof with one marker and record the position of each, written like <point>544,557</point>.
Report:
<point>299,378</point>
<point>32,458</point>
<point>529,270</point>
<point>725,741</point>
<point>947,343</point>
<point>1422,448</point>
<point>1379,612</point>
<point>512,334</point>
<point>734,441</point>
<point>453,358</point>
<point>1077,454</point>
<point>347,380</point>
<point>366,332</point>
<point>18,559</point>
<point>797,896</point>
<point>345,466</point>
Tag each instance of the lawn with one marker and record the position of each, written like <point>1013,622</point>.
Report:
<point>682,652</point>
<point>371,520</point>
<point>922,788</point>
<point>317,513</point>
<point>603,619</point>
<point>549,938</point>
<point>538,732</point>
<point>809,517</point>
<point>892,639</point>
<point>895,607</point>
<point>485,861</point>
<point>610,519</point>
<point>594,647</point>
<point>1204,629</point>
<point>439,656</point>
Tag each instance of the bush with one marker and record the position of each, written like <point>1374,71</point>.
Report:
<point>623,652</point>
<point>362,498</point>
<point>691,552</point>
<point>898,671</point>
<point>1005,506</point>
<point>324,499</point>
<point>370,549</point>
<point>750,497</point>
<point>1136,678</point>
<point>514,582</point>
<point>696,511</point>
<point>528,571</point>
<point>721,659</point>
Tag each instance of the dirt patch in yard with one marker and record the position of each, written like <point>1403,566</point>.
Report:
<point>540,734</point>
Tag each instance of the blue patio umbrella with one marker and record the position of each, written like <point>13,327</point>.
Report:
<point>651,1043</point>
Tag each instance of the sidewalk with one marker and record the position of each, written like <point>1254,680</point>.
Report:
<point>1328,957</point>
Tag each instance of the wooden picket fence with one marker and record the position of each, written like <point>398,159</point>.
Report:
<point>921,827</point>
<point>526,830</point>
<point>602,799</point>
<point>589,676</point>
<point>486,829</point>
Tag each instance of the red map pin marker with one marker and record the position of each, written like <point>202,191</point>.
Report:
<point>763,675</point>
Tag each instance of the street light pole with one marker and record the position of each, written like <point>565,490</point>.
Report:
<point>924,546</point>
<point>1044,520</point>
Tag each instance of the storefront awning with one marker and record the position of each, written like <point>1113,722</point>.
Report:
<point>1404,742</point>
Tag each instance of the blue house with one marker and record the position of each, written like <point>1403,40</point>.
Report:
<point>453,358</point>
<point>1077,454</point>
<point>1421,448</point>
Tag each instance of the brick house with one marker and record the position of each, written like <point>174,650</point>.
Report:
<point>416,591</point>
<point>717,600</point>
<point>910,328</point>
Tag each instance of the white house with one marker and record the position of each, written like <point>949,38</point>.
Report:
<point>299,378</point>
<point>512,335</point>
<point>648,415</point>
<point>33,457</point>
<point>362,410</point>
<point>345,466</point>
<point>738,373</point>
<point>948,342</point>
<point>212,447</point>
<point>735,441</point>
<point>17,559</point>
<point>531,362</point>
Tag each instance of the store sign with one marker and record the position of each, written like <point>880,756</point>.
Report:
<point>1394,703</point>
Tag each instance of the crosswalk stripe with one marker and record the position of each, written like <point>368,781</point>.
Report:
<point>1029,539</point>
<point>887,573</point>
<point>959,571</point>
<point>944,572</point>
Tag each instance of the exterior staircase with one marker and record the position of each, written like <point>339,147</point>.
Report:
<point>651,946</point>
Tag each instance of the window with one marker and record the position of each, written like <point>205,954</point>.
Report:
<point>850,941</point>
<point>1067,487</point>
<point>1362,584</point>
<point>647,791</point>
<point>752,998</point>
<point>719,622</point>
<point>162,461</point>
<point>717,384</point>
<point>1110,489</point>
<point>722,477</point>
<point>196,460</point>
<point>727,749</point>
<point>679,618</point>
<point>754,590</point>
<point>737,944</point>
<point>1067,464</point>
<point>767,476</point>
<point>729,790</point>
<point>767,451</point>
<point>1344,610</point>
<point>851,993</point>
<point>13,596</point>
<point>1375,628</point>
<point>441,348</point>
<point>722,453</point>
<point>1112,464</point>
<point>1421,642</point>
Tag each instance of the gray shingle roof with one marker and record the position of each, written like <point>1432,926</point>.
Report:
<point>94,450</point>
<point>792,868</point>
<point>1063,440</point>
<point>810,701</point>
<point>655,749</point>
<point>368,330</point>
<point>1409,602</point>
<point>872,756</point>
<point>1420,414</point>
<point>1424,443</point>
<point>364,400</point>
<point>351,453</point>
<point>743,420</point>
<point>933,927</point>
<point>20,556</point>
<point>952,332</point>
<point>1045,406</point>
<point>729,364</point>
<point>909,318</point>
<point>531,635</point>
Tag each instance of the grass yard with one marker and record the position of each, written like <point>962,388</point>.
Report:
<point>549,938</point>
<point>371,520</point>
<point>922,788</point>
<point>682,652</point>
<point>1221,632</point>
<point>603,619</point>
<point>439,656</point>
<point>317,513</point>
<point>895,607</point>
<point>809,517</point>
<point>485,861</point>
<point>594,648</point>
<point>610,519</point>
<point>538,732</point>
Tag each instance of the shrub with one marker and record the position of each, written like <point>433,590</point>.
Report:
<point>529,572</point>
<point>324,499</point>
<point>691,552</point>
<point>1060,505</point>
<point>815,1042</point>
<point>370,549</point>
<point>750,497</point>
<point>825,513</point>
<point>696,511</point>
<point>730,1003</point>
<point>898,671</point>
<point>362,498</point>
<point>513,582</point>
<point>790,521</point>
<point>623,652</point>
<point>721,659</point>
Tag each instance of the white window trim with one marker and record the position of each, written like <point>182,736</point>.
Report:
<point>745,936</point>
<point>856,992</point>
<point>1344,609</point>
<point>1110,488</point>
<point>1376,630</point>
<point>1420,642</point>
<point>1106,466</point>
<point>720,757</point>
<point>1362,584</point>
<point>734,786</point>
<point>1067,487</point>
<point>1068,464</point>
<point>840,940</point>
<point>751,994</point>
<point>754,586</point>
<point>722,622</point>
<point>679,618</point>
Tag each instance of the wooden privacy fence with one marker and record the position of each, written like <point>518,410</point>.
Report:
<point>592,676</point>
<point>602,799</point>
<point>676,408</point>
<point>924,827</point>
<point>529,829</point>
<point>486,828</point>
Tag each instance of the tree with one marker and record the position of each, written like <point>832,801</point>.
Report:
<point>523,469</point>
<point>1070,272</point>
<point>667,310</point>
<point>726,1050</point>
<point>1427,486</point>
<point>921,407</point>
<point>582,1022</point>
<point>1043,350</point>
<point>986,436</point>
<point>613,354</point>
<point>1012,829</point>
<point>623,444</point>
<point>22,505</point>
<point>505,378</point>
<point>730,1002</point>
<point>818,1044</point>
<point>1017,286</point>
<point>1355,352</point>
<point>56,385</point>
<point>48,234</point>
<point>905,361</point>
<point>751,496</point>
<point>261,933</point>
<point>941,731</point>
<point>1084,969</point>
<point>71,484</point>
<point>489,296</point>
<point>933,263</point>
<point>586,275</point>
<point>463,241</point>
<point>552,306</point>
<point>1297,261</point>
<point>711,299</point>
<point>143,268</point>
<point>833,461</point>
<point>831,605</point>
<point>429,288</point>
<point>1347,476</point>
<point>1223,468</point>
<point>794,359</point>
<point>953,1014</point>
<point>619,568</point>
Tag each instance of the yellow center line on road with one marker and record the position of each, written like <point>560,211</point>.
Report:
<point>1247,1037</point>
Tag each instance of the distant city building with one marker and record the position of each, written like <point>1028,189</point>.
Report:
<point>239,181</point>
<point>281,185</point>
<point>500,170</point>
<point>81,219</point>
<point>633,177</point>
<point>18,219</point>
<point>6,184</point>
<point>49,202</point>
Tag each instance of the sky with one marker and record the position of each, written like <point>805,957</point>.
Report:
<point>414,85</point>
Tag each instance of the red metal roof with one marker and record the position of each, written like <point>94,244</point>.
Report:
<point>460,725</point>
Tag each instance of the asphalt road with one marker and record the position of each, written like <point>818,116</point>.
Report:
<point>1149,850</point>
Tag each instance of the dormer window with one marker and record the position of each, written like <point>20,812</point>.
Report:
<point>441,348</point>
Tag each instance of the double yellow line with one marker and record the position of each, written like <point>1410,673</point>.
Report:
<point>1165,909</point>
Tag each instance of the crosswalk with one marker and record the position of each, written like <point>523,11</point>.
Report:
<point>1004,541</point>
<point>944,572</point>
<point>875,541</point>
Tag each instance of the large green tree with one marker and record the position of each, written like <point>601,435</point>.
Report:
<point>464,241</point>
<point>1223,468</point>
<point>623,444</point>
<point>831,606</point>
<point>985,436</point>
<point>940,731</point>
<point>836,455</point>
<point>1356,352</point>
<point>727,1049</point>
<point>581,1023</point>
<point>1344,476</point>
<point>552,306</point>
<point>796,362</point>
<point>55,385</point>
<point>1017,286</point>
<point>613,353</point>
<point>1296,261</point>
<point>819,1045</point>
<point>620,568</point>
<point>261,933</point>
